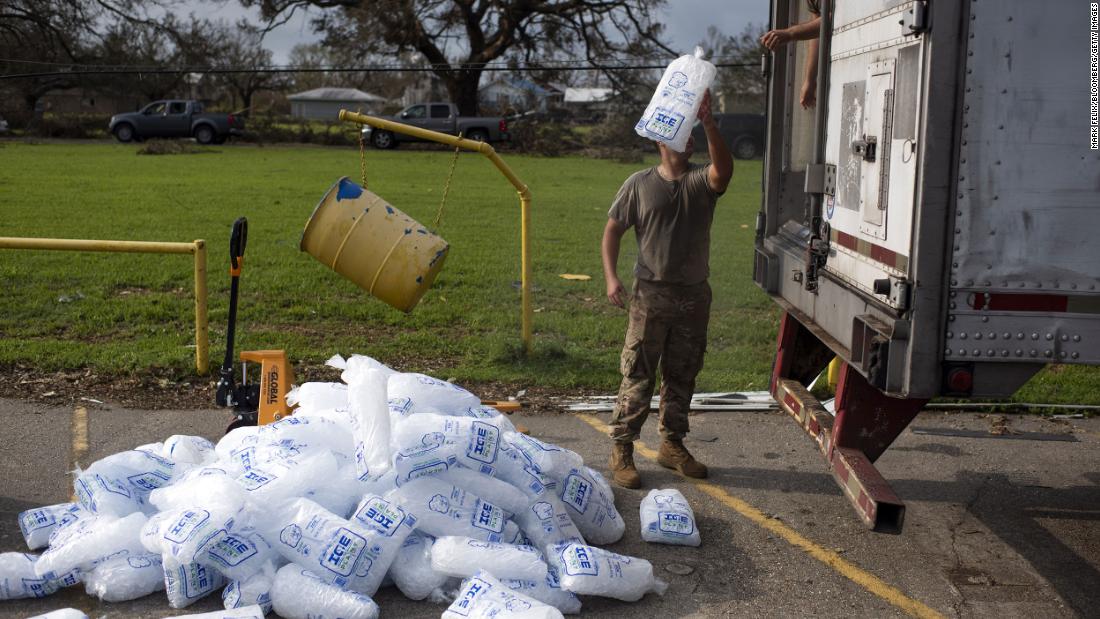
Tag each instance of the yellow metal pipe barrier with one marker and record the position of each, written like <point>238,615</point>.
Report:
<point>833,374</point>
<point>196,248</point>
<point>487,150</point>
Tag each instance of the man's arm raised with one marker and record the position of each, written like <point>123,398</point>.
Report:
<point>721,163</point>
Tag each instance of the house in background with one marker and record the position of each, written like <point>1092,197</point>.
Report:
<point>519,95</point>
<point>587,102</point>
<point>326,103</point>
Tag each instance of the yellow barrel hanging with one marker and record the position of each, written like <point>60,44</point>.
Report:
<point>384,251</point>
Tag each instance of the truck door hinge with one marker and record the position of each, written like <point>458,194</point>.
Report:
<point>915,19</point>
<point>821,178</point>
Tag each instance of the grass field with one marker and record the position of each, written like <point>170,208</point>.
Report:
<point>121,313</point>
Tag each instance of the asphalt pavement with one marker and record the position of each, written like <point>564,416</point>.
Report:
<point>996,525</point>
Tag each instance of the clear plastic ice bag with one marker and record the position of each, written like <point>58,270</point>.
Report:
<point>672,110</point>
<point>667,518</point>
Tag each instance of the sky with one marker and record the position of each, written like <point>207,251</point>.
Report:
<point>685,21</point>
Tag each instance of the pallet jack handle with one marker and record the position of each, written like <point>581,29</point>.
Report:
<point>237,241</point>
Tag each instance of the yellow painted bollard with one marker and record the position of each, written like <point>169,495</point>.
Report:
<point>384,251</point>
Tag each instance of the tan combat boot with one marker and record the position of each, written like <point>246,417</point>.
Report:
<point>623,472</point>
<point>673,455</point>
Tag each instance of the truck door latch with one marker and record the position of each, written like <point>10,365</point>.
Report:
<point>865,148</point>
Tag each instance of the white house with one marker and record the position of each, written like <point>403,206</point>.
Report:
<point>326,103</point>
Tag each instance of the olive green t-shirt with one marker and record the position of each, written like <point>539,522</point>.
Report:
<point>671,220</point>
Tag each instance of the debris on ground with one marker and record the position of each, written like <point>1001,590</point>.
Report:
<point>384,479</point>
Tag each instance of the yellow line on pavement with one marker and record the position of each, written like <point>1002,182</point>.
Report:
<point>852,572</point>
<point>80,439</point>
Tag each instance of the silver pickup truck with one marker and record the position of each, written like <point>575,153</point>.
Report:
<point>175,119</point>
<point>441,117</point>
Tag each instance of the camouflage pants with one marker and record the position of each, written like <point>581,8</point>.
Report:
<point>667,330</point>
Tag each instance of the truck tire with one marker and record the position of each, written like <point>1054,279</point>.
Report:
<point>383,140</point>
<point>204,134</point>
<point>124,132</point>
<point>478,135</point>
<point>745,148</point>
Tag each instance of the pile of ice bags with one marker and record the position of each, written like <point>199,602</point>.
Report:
<point>385,478</point>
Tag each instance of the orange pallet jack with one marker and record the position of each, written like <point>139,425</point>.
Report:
<point>252,403</point>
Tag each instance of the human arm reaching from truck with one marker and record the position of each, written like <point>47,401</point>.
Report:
<point>774,39</point>
<point>808,31</point>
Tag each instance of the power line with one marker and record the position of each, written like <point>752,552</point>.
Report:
<point>154,70</point>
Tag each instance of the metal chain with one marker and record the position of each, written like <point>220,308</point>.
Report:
<point>362,154</point>
<point>447,187</point>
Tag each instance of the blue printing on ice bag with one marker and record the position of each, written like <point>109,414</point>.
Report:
<point>256,478</point>
<point>674,523</point>
<point>383,516</point>
<point>664,123</point>
<point>400,406</point>
<point>343,552</point>
<point>148,481</point>
<point>577,492</point>
<point>485,439</point>
<point>474,588</point>
<point>35,519</point>
<point>186,525</point>
<point>232,550</point>
<point>488,517</point>
<point>576,561</point>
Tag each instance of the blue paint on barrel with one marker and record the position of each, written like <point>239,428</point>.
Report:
<point>348,190</point>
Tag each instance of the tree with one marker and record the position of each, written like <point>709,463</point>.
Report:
<point>458,37</point>
<point>741,88</point>
<point>243,46</point>
<point>39,35</point>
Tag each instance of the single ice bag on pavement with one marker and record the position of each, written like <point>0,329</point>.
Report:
<point>587,570</point>
<point>667,518</point>
<point>484,597</point>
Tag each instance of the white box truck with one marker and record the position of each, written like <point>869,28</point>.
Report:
<point>934,221</point>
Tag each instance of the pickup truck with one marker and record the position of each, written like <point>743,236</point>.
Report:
<point>175,119</point>
<point>744,134</point>
<point>441,117</point>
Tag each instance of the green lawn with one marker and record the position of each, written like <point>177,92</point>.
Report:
<point>129,312</point>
